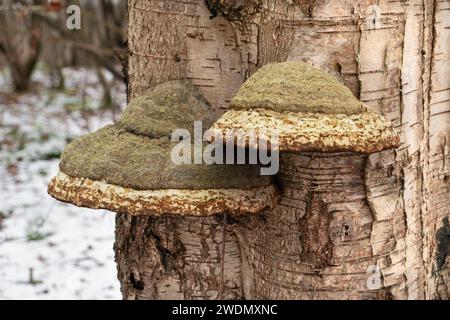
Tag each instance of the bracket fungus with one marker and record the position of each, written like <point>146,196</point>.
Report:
<point>309,110</point>
<point>127,168</point>
<point>320,241</point>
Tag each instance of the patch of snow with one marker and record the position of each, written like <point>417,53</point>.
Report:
<point>48,249</point>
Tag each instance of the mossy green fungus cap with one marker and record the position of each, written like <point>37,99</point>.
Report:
<point>118,157</point>
<point>308,109</point>
<point>166,107</point>
<point>128,167</point>
<point>298,87</point>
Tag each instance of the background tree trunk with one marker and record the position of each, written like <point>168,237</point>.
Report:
<point>393,55</point>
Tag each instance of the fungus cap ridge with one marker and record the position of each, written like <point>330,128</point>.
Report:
<point>166,107</point>
<point>295,86</point>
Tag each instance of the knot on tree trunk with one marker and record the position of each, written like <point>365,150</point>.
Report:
<point>232,9</point>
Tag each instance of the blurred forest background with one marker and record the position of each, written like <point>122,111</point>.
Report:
<point>55,85</point>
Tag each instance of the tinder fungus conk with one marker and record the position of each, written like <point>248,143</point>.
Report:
<point>321,241</point>
<point>309,109</point>
<point>127,167</point>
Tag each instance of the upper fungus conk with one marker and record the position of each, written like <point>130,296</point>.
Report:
<point>323,229</point>
<point>127,167</point>
<point>309,109</point>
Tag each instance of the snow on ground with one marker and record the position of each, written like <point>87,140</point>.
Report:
<point>48,249</point>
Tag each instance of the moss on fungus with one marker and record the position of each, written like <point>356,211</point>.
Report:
<point>118,157</point>
<point>296,87</point>
<point>166,107</point>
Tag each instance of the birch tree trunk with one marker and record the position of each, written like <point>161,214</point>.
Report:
<point>393,55</point>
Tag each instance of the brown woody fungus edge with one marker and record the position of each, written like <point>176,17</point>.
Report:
<point>166,107</point>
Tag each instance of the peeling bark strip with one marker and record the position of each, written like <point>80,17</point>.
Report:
<point>435,146</point>
<point>392,55</point>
